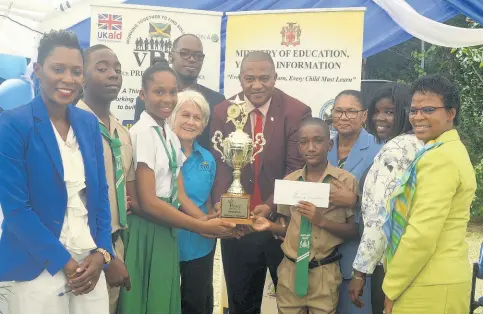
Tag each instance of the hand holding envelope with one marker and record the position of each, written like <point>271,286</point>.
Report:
<point>341,195</point>
<point>287,192</point>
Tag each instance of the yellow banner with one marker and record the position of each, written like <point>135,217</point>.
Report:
<point>317,53</point>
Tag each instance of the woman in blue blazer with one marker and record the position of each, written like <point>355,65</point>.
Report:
<point>353,150</point>
<point>57,225</point>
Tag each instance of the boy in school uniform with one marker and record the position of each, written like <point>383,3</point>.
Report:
<point>103,80</point>
<point>309,275</point>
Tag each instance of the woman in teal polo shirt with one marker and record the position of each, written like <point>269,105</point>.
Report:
<point>196,252</point>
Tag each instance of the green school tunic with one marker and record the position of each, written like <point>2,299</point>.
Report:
<point>151,257</point>
<point>152,262</point>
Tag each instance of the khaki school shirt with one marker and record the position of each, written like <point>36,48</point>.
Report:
<point>127,155</point>
<point>322,242</point>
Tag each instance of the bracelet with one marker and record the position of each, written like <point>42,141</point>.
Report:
<point>359,278</point>
<point>355,276</point>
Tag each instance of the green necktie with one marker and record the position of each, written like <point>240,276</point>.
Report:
<point>173,199</point>
<point>302,261</point>
<point>115,145</point>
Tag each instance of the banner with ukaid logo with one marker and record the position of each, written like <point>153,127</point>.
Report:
<point>138,33</point>
<point>317,53</point>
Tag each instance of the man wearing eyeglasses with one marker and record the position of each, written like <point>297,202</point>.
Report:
<point>186,58</point>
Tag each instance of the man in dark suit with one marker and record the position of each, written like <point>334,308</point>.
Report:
<point>186,59</point>
<point>278,116</point>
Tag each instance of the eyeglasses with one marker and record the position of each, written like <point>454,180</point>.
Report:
<point>185,55</point>
<point>427,110</point>
<point>350,113</point>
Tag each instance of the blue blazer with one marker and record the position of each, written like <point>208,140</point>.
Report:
<point>359,160</point>
<point>33,194</point>
<point>361,155</point>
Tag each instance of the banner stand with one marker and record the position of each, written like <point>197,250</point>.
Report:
<point>139,33</point>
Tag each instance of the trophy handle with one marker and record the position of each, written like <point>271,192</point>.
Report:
<point>258,141</point>
<point>217,140</point>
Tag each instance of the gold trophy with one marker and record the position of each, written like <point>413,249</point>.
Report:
<point>237,151</point>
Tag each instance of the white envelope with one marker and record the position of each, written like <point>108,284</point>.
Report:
<point>288,192</point>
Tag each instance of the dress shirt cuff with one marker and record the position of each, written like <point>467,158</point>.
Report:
<point>366,267</point>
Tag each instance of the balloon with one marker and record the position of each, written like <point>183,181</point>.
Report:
<point>14,93</point>
<point>12,66</point>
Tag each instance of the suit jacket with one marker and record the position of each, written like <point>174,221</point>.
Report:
<point>433,249</point>
<point>33,194</point>
<point>361,155</point>
<point>359,160</point>
<point>280,155</point>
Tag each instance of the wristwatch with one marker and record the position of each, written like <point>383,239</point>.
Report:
<point>106,255</point>
<point>355,276</point>
<point>272,217</point>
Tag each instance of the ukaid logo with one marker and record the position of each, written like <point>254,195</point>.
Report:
<point>109,27</point>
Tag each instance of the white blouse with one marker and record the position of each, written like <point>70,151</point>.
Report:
<point>75,234</point>
<point>388,166</point>
<point>148,149</point>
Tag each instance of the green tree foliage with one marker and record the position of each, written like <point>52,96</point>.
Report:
<point>464,67</point>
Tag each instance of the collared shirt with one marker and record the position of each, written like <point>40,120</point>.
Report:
<point>212,97</point>
<point>322,242</point>
<point>253,116</point>
<point>148,149</point>
<point>389,165</point>
<point>198,177</point>
<point>75,234</point>
<point>127,156</point>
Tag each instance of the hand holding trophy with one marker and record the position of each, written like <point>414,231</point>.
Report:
<point>237,150</point>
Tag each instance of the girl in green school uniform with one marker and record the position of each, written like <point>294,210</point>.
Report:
<point>151,241</point>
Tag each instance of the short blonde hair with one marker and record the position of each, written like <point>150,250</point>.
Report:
<point>197,99</point>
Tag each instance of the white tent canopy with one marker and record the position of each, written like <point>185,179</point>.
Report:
<point>23,21</point>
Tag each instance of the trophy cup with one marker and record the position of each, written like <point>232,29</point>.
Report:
<point>237,150</point>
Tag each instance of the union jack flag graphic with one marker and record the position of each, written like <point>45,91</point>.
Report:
<point>110,22</point>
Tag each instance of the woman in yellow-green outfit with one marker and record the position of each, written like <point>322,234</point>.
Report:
<point>428,269</point>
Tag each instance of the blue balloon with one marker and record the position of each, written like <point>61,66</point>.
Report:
<point>12,66</point>
<point>14,93</point>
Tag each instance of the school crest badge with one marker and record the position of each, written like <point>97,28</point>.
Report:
<point>304,241</point>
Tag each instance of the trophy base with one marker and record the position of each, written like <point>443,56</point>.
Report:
<point>235,208</point>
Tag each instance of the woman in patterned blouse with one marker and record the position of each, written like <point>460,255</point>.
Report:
<point>389,123</point>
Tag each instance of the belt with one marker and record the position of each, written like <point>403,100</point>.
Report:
<point>115,236</point>
<point>334,256</point>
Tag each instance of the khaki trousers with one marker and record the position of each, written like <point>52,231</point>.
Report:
<point>323,289</point>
